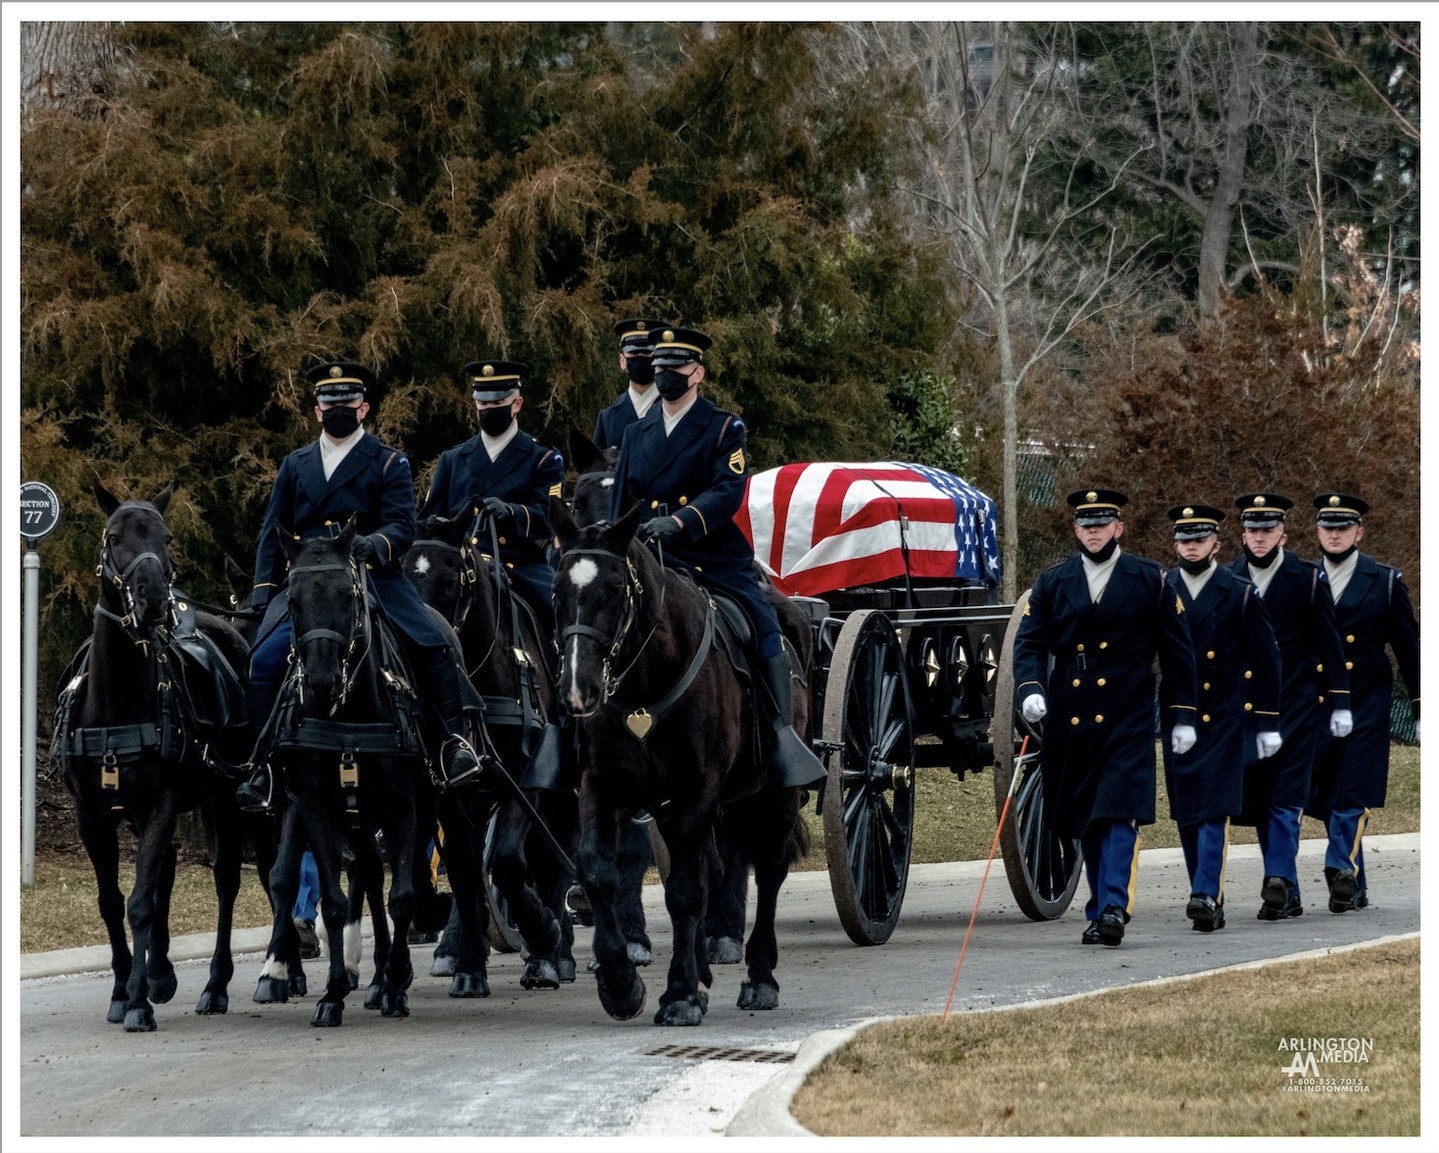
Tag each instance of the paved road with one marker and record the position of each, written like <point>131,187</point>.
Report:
<point>553,1064</point>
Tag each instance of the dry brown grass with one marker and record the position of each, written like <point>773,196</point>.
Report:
<point>1194,1058</point>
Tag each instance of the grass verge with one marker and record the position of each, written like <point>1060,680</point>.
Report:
<point>1109,1065</point>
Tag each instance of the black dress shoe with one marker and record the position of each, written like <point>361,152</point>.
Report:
<point>1290,908</point>
<point>1205,912</point>
<point>1111,925</point>
<point>1273,892</point>
<point>1091,934</point>
<point>1342,890</point>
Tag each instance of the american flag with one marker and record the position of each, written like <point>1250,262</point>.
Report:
<point>821,527</point>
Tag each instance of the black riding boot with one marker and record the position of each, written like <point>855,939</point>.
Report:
<point>457,760</point>
<point>552,765</point>
<point>256,793</point>
<point>792,764</point>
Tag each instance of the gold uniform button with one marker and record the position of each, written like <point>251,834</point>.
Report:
<point>328,523</point>
<point>1074,720</point>
<point>1206,686</point>
<point>654,504</point>
<point>1318,668</point>
<point>1349,639</point>
<point>1348,664</point>
<point>684,500</point>
<point>1205,718</point>
<point>1248,707</point>
<point>1075,682</point>
<point>1098,718</point>
<point>503,541</point>
<point>1321,698</point>
<point>1248,674</point>
<point>1079,648</point>
<point>1210,654</point>
<point>1101,682</point>
<point>1104,644</point>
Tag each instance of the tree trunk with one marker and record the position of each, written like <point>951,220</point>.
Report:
<point>63,62</point>
<point>1219,219</point>
<point>1009,505</point>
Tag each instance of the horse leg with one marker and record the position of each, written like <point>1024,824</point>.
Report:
<point>729,888</point>
<point>552,882</point>
<point>400,837</point>
<point>686,997</point>
<point>621,990</point>
<point>634,857</point>
<point>226,866</point>
<point>467,941</point>
<point>156,851</point>
<point>281,974</point>
<point>98,835</point>
<point>366,888</point>
<point>537,924</point>
<point>326,847</point>
<point>770,844</point>
<point>160,972</point>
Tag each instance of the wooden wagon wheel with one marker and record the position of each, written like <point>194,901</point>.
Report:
<point>660,850</point>
<point>1043,868</point>
<point>504,937</point>
<point>869,793</point>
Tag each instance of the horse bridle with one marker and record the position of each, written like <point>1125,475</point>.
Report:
<point>359,628</point>
<point>634,590</point>
<point>109,572</point>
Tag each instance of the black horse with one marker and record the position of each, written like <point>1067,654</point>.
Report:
<point>666,726</point>
<point>509,669</point>
<point>148,713</point>
<point>347,744</point>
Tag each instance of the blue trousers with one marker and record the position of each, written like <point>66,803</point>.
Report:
<point>1278,835</point>
<point>309,895</point>
<point>1111,865</point>
<point>1205,844</point>
<point>1346,844</point>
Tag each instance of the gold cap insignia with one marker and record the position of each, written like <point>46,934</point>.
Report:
<point>335,370</point>
<point>1333,500</point>
<point>1188,512</point>
<point>1258,500</point>
<point>1091,496</point>
<point>488,370</point>
<point>669,334</point>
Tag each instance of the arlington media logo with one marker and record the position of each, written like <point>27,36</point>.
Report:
<point>1324,1064</point>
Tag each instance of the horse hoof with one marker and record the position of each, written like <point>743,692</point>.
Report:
<point>566,970</point>
<point>686,1012</point>
<point>592,966</point>
<point>272,990</point>
<point>626,1006</point>
<point>140,1020</point>
<point>539,974</point>
<point>469,985</point>
<point>702,998</point>
<point>212,1003</point>
<point>374,996</point>
<point>116,1013</point>
<point>443,966</point>
<point>163,987</point>
<point>753,996</point>
<point>298,985</point>
<point>637,953</point>
<point>328,1014</point>
<point>725,950</point>
<point>354,979</point>
<point>396,1004</point>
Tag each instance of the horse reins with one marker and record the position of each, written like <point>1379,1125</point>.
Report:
<point>108,571</point>
<point>359,627</point>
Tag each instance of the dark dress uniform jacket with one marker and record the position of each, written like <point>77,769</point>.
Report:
<point>374,483</point>
<point>614,419</point>
<point>1237,675</point>
<point>526,474</point>
<point>1098,757</point>
<point>1315,683</point>
<point>1353,772</point>
<point>698,474</point>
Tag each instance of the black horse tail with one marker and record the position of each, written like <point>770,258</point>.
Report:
<point>796,843</point>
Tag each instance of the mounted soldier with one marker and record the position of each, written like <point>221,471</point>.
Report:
<point>636,363</point>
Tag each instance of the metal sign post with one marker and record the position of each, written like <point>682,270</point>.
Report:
<point>39,514</point>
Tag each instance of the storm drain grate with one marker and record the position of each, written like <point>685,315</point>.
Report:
<point>714,1053</point>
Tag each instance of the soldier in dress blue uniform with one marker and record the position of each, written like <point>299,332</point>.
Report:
<point>505,473</point>
<point>1371,609</point>
<point>632,404</point>
<point>1103,615</point>
<point>347,471</point>
<point>1315,693</point>
<point>1236,657</point>
<point>686,462</point>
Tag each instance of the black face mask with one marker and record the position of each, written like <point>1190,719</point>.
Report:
<point>1104,553</point>
<point>1339,557</point>
<point>494,421</point>
<point>1194,567</point>
<point>1262,561</point>
<point>639,369</point>
<point>672,384</point>
<point>340,422</point>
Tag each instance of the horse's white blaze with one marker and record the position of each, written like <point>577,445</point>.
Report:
<point>582,572</point>
<point>352,946</point>
<point>608,482</point>
<point>571,691</point>
<point>274,968</point>
<point>422,565</point>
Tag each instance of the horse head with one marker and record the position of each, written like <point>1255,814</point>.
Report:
<point>597,591</point>
<point>435,563</point>
<point>135,567</point>
<point>327,611</point>
<point>596,468</point>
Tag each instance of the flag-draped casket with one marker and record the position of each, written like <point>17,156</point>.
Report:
<point>817,528</point>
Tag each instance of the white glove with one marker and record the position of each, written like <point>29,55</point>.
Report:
<point>1034,708</point>
<point>1341,722</point>
<point>1268,744</point>
<point>1182,739</point>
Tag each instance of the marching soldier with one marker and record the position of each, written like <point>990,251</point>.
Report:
<point>686,461</point>
<point>1103,615</point>
<point>632,404</point>
<point>1235,656</point>
<point>1314,695</point>
<point>348,471</point>
<point>505,473</point>
<point>1371,609</point>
